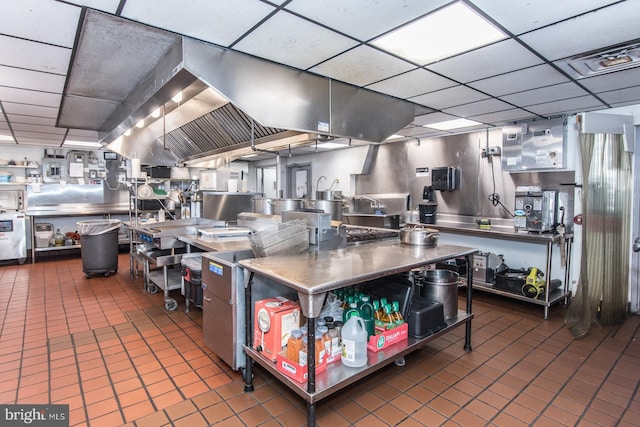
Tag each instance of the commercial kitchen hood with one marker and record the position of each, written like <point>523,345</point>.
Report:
<point>124,72</point>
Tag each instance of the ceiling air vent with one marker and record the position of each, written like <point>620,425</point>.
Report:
<point>603,61</point>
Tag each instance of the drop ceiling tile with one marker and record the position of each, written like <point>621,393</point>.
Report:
<point>289,40</point>
<point>38,135</point>
<point>216,21</point>
<point>23,96</point>
<point>420,132</point>
<point>39,142</point>
<point>362,66</point>
<point>34,55</point>
<point>518,81</point>
<point>449,97</point>
<point>566,106</point>
<point>45,21</point>
<point>545,94</point>
<point>46,121</point>
<point>37,128</point>
<point>614,24</point>
<point>612,81</point>
<point>502,116</point>
<point>30,110</point>
<point>427,119</point>
<point>110,6</point>
<point>519,16</point>
<point>363,19</point>
<point>498,58</point>
<point>34,80</point>
<point>479,107</point>
<point>413,83</point>
<point>622,95</point>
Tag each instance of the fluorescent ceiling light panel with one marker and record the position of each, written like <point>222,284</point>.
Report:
<point>330,145</point>
<point>395,135</point>
<point>452,124</point>
<point>6,138</point>
<point>444,33</point>
<point>85,144</point>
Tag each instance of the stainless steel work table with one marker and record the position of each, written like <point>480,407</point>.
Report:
<point>217,245</point>
<point>508,233</point>
<point>312,274</point>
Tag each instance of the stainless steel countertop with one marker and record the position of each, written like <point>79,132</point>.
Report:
<point>495,232</point>
<point>218,245</point>
<point>316,272</point>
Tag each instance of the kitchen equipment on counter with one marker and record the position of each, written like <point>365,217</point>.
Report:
<point>419,236</point>
<point>334,207</point>
<point>372,220</point>
<point>163,235</point>
<point>13,236</point>
<point>486,265</point>
<point>357,235</point>
<point>270,206</point>
<point>534,209</point>
<point>319,224</point>
<point>12,200</point>
<point>329,195</point>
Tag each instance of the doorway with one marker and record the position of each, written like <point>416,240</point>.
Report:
<point>299,181</point>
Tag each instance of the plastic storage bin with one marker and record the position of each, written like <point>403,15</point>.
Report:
<point>99,246</point>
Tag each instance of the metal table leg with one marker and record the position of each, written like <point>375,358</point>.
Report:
<point>467,334</point>
<point>248,364</point>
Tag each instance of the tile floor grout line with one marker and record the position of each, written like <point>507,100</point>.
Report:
<point>478,367</point>
<point>620,355</point>
<point>75,355</point>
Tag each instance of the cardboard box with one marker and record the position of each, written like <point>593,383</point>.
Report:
<point>274,319</point>
<point>298,372</point>
<point>388,338</point>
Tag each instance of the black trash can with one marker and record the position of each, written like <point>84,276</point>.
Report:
<point>191,269</point>
<point>99,246</point>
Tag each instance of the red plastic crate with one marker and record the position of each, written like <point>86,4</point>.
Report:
<point>388,338</point>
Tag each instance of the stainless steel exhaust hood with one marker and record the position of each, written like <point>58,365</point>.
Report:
<point>230,101</point>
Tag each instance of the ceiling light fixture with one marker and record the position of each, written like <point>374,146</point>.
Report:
<point>127,132</point>
<point>83,144</point>
<point>155,113</point>
<point>449,31</point>
<point>177,98</point>
<point>452,124</point>
<point>329,145</point>
<point>395,136</point>
<point>6,138</point>
<point>140,124</point>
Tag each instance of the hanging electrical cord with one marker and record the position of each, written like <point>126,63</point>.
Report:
<point>494,197</point>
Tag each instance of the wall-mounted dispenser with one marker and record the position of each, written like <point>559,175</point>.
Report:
<point>444,178</point>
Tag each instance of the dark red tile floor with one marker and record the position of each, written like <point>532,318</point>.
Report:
<point>114,354</point>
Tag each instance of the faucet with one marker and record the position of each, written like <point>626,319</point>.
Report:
<point>375,204</point>
<point>318,182</point>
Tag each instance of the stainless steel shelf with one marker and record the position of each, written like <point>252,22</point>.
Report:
<point>338,376</point>
<point>57,248</point>
<point>555,296</point>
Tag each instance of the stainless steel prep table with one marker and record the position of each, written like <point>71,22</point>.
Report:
<point>508,233</point>
<point>217,245</point>
<point>313,274</point>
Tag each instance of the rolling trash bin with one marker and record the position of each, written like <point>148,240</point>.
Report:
<point>99,246</point>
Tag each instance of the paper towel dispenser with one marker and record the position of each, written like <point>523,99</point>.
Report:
<point>444,178</point>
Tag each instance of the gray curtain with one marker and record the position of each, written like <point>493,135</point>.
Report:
<point>603,286</point>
